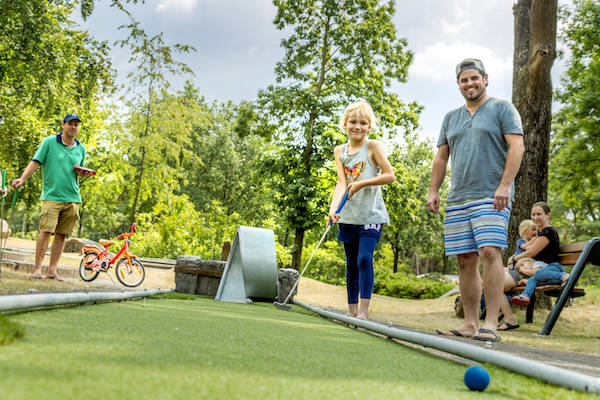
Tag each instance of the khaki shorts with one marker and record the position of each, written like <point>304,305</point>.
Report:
<point>58,217</point>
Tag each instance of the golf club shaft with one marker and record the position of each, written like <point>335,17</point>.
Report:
<point>2,222</point>
<point>342,202</point>
<point>304,269</point>
<point>12,209</point>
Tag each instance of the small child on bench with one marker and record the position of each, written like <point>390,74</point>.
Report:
<point>528,233</point>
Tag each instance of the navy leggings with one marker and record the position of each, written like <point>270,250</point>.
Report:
<point>359,245</point>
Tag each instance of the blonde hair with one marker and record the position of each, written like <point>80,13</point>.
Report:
<point>524,226</point>
<point>360,106</point>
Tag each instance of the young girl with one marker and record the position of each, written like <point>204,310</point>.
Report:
<point>362,167</point>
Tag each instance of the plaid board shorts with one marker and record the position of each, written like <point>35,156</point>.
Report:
<point>473,224</point>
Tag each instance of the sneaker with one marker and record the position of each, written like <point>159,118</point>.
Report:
<point>520,300</point>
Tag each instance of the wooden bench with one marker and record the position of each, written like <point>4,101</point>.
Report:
<point>589,254</point>
<point>569,254</point>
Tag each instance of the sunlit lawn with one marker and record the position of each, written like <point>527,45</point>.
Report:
<point>170,348</point>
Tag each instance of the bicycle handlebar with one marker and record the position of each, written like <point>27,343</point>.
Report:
<point>127,234</point>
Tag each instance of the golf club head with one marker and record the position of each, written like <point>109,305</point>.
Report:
<point>282,306</point>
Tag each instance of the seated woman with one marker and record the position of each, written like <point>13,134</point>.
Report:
<point>544,250</point>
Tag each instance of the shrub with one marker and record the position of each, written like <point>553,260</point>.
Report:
<point>409,286</point>
<point>32,235</point>
<point>329,263</point>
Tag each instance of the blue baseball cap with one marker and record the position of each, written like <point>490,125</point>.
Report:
<point>71,117</point>
<point>470,63</point>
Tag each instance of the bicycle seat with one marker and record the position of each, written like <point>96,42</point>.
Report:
<point>106,243</point>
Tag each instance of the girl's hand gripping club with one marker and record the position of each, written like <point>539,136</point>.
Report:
<point>340,206</point>
<point>284,305</point>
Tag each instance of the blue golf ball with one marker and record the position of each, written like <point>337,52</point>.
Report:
<point>477,378</point>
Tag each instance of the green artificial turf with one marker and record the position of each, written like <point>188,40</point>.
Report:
<point>204,349</point>
<point>9,331</point>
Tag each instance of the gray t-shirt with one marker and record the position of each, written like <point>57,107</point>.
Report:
<point>366,206</point>
<point>478,149</point>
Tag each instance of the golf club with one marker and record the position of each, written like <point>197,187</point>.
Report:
<point>12,209</point>
<point>2,221</point>
<point>285,305</point>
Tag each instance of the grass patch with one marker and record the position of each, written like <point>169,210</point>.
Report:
<point>156,349</point>
<point>14,282</point>
<point>577,329</point>
<point>175,296</point>
<point>9,331</point>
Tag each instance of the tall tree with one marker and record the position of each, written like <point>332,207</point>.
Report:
<point>229,171</point>
<point>534,54</point>
<point>154,64</point>
<point>336,52</point>
<point>575,156</point>
<point>47,67</point>
<point>413,231</point>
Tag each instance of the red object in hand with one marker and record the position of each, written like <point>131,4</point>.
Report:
<point>84,169</point>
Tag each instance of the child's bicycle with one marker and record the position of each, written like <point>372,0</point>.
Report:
<point>129,271</point>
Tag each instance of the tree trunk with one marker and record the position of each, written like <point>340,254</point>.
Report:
<point>81,215</point>
<point>444,264</point>
<point>146,130</point>
<point>534,53</point>
<point>297,251</point>
<point>396,256</point>
<point>415,260</point>
<point>299,239</point>
<point>138,186</point>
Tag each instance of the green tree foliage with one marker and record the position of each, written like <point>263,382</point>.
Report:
<point>575,156</point>
<point>48,67</point>
<point>336,52</point>
<point>104,207</point>
<point>154,133</point>
<point>87,6</point>
<point>229,166</point>
<point>414,232</point>
<point>174,227</point>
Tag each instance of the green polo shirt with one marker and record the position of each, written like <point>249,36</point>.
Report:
<point>59,177</point>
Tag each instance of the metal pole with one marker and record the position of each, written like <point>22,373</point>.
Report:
<point>534,369</point>
<point>2,221</point>
<point>19,302</point>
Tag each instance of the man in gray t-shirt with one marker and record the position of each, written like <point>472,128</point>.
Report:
<point>484,141</point>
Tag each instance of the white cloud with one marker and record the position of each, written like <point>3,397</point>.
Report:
<point>170,6</point>
<point>453,28</point>
<point>438,61</point>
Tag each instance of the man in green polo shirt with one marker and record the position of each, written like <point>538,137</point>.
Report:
<point>60,194</point>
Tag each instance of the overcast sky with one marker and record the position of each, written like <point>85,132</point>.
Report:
<point>238,46</point>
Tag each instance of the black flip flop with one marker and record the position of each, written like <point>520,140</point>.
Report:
<point>494,338</point>
<point>450,333</point>
<point>509,326</point>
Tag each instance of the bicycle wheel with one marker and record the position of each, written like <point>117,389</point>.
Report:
<point>130,274</point>
<point>85,268</point>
